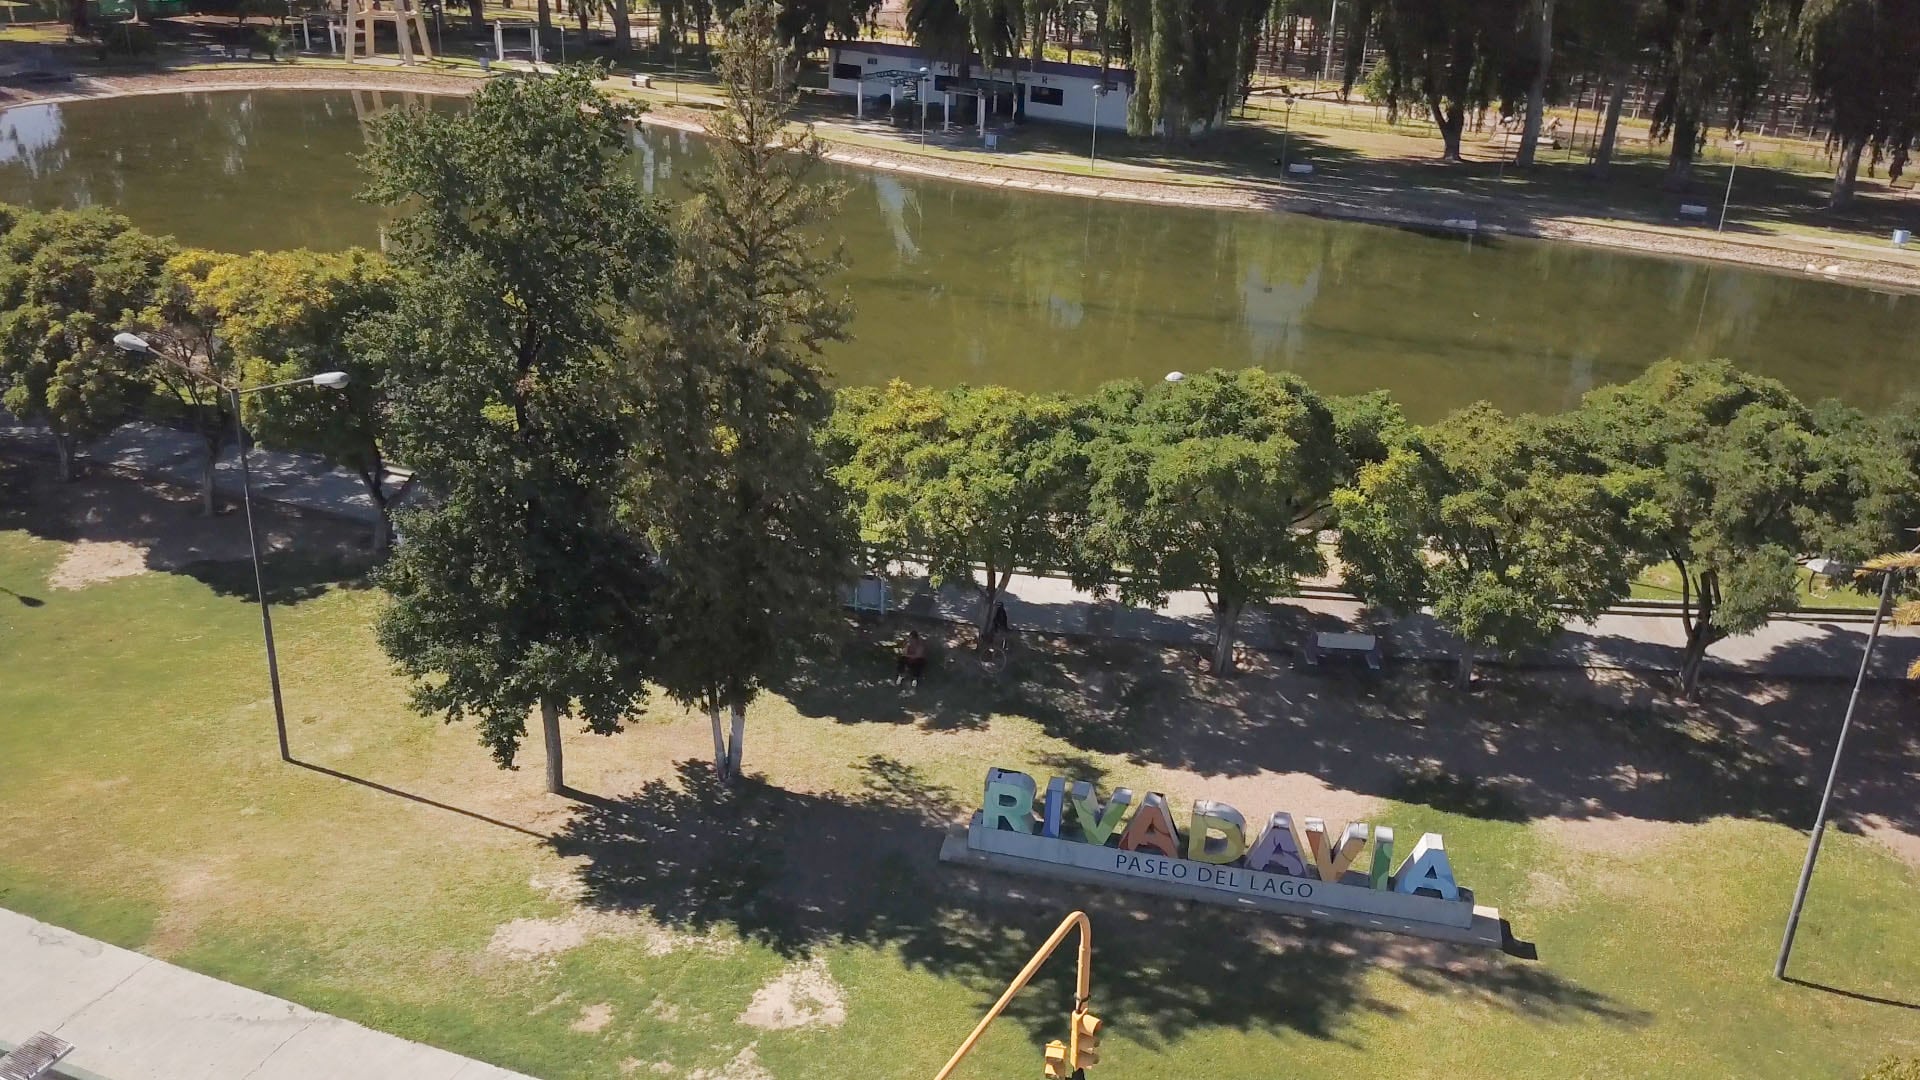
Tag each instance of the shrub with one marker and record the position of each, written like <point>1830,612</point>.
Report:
<point>1895,1069</point>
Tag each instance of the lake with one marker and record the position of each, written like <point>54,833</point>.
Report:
<point>963,283</point>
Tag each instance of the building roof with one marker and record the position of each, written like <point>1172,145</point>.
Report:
<point>915,53</point>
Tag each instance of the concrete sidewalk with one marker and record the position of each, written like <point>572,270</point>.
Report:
<point>131,1017</point>
<point>1788,647</point>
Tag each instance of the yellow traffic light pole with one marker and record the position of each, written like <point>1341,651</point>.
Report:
<point>1082,990</point>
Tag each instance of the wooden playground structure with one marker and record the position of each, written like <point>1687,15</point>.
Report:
<point>362,17</point>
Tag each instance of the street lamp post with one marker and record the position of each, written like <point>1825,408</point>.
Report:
<point>1738,146</point>
<point>922,95</point>
<point>330,380</point>
<point>1093,143</point>
<point>1820,818</point>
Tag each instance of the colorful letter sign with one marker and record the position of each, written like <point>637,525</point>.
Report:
<point>1313,870</point>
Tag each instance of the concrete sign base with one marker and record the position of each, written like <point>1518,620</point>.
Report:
<point>1462,922</point>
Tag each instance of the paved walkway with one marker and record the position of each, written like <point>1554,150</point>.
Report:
<point>131,1017</point>
<point>1792,647</point>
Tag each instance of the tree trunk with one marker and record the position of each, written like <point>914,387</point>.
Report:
<point>1686,130</point>
<point>736,749</point>
<point>544,14</point>
<point>1699,626</point>
<point>582,8</point>
<point>622,27</point>
<point>1226,617</point>
<point>476,16</point>
<point>62,457</point>
<point>1537,93</point>
<point>1610,131</point>
<point>1451,123</point>
<point>719,741</point>
<point>1463,674</point>
<point>550,729</point>
<point>1846,174</point>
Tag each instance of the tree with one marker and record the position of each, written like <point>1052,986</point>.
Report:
<point>1500,524</point>
<point>1537,86</point>
<point>1446,56</point>
<point>1709,50</point>
<point>1863,66</point>
<point>518,586</point>
<point>1728,461</point>
<point>69,281</point>
<point>1206,483</point>
<point>971,480</point>
<point>1609,35</point>
<point>288,315</point>
<point>1191,60</point>
<point>194,362</point>
<point>732,485</point>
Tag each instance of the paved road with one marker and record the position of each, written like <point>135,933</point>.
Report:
<point>132,1017</point>
<point>1786,647</point>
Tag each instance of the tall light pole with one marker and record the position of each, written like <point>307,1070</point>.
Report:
<point>1093,143</point>
<point>922,95</point>
<point>1738,146</point>
<point>330,380</point>
<point>1333,16</point>
<point>1820,819</point>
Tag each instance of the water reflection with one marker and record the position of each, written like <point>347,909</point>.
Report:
<point>959,283</point>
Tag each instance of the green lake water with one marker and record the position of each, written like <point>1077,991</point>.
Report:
<point>960,283</point>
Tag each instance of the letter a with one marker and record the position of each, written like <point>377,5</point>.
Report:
<point>1427,870</point>
<point>1152,827</point>
<point>1008,800</point>
<point>1331,862</point>
<point>1278,849</point>
<point>1209,819</point>
<point>1097,824</point>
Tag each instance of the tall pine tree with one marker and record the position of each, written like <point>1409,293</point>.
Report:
<point>733,489</point>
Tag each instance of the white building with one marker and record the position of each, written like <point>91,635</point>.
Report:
<point>966,93</point>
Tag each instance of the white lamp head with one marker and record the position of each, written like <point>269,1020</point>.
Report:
<point>1176,376</point>
<point>332,380</point>
<point>132,343</point>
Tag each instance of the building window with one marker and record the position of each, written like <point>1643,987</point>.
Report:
<point>847,71</point>
<point>1047,95</point>
<point>942,83</point>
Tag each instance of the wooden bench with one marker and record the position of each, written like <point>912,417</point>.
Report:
<point>35,1058</point>
<point>1365,646</point>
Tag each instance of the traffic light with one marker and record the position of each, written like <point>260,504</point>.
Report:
<point>1056,1061</point>
<point>1085,1039</point>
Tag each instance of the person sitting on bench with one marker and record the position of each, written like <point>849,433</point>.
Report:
<point>912,660</point>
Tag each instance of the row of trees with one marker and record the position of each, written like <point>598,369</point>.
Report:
<point>1450,58</point>
<point>1506,527</point>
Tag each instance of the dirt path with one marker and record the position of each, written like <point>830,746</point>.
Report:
<point>1834,261</point>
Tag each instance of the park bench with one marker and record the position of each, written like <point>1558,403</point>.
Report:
<point>35,1058</point>
<point>1693,211</point>
<point>1365,646</point>
<point>642,82</point>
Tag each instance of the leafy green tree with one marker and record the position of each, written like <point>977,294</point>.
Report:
<point>69,281</point>
<point>732,484</point>
<point>1498,523</point>
<point>193,361</point>
<point>1730,464</point>
<point>1863,65</point>
<point>1448,57</point>
<point>975,481</point>
<point>1208,483</point>
<point>1710,52</point>
<point>288,315</point>
<point>518,586</point>
<point>1191,60</point>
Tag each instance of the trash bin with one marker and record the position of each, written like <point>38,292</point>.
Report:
<point>486,59</point>
<point>1901,236</point>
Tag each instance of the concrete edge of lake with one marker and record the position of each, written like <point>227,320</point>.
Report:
<point>1845,262</point>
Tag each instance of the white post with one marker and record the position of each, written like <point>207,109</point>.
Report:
<point>1332,17</point>
<point>533,38</point>
<point>499,41</point>
<point>860,99</point>
<point>947,124</point>
<point>306,32</point>
<point>982,99</point>
<point>1093,144</point>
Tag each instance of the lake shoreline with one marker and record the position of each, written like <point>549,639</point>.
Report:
<point>1848,269</point>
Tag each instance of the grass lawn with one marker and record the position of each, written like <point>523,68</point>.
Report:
<point>1662,582</point>
<point>800,927</point>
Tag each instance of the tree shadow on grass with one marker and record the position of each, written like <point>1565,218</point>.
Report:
<point>798,871</point>
<point>291,577</point>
